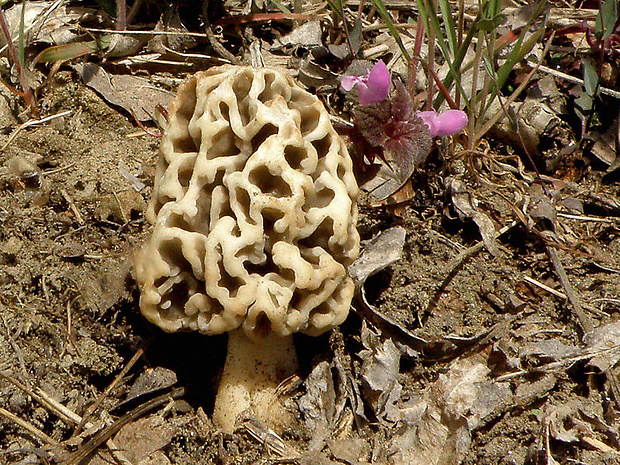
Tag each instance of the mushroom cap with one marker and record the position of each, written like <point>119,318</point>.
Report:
<point>254,210</point>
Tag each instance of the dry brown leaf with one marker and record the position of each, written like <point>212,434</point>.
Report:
<point>380,367</point>
<point>548,350</point>
<point>379,253</point>
<point>136,95</point>
<point>308,35</point>
<point>604,338</point>
<point>349,451</point>
<point>45,24</point>
<point>150,381</point>
<point>435,428</point>
<point>435,431</point>
<point>143,437</point>
<point>318,404</point>
<point>466,206</point>
<point>171,22</point>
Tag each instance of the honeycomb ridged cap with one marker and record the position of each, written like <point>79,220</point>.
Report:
<point>254,210</point>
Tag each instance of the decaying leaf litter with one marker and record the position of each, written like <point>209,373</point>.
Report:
<point>484,327</point>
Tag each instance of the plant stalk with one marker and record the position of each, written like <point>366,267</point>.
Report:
<point>26,93</point>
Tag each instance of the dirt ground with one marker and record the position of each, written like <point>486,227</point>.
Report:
<point>503,358</point>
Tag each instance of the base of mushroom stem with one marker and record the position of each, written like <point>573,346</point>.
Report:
<point>253,370</point>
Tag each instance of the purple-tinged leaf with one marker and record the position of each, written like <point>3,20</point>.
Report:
<point>371,119</point>
<point>393,126</point>
<point>408,146</point>
<point>402,104</point>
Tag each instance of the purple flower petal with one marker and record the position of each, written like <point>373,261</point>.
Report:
<point>377,85</point>
<point>349,82</point>
<point>445,124</point>
<point>429,118</point>
<point>450,122</point>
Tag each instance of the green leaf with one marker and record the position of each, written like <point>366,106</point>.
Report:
<point>520,50</point>
<point>281,7</point>
<point>606,19</point>
<point>583,106</point>
<point>590,78</point>
<point>335,8</point>
<point>456,68</point>
<point>449,26</point>
<point>490,24</point>
<point>67,51</point>
<point>431,22</point>
<point>355,36</point>
<point>491,8</point>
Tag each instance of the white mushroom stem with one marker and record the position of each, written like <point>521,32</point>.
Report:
<point>253,370</point>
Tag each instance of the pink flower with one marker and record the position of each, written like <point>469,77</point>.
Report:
<point>444,124</point>
<point>374,87</point>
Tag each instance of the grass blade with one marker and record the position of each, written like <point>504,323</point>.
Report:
<point>428,14</point>
<point>450,27</point>
<point>387,19</point>
<point>67,51</point>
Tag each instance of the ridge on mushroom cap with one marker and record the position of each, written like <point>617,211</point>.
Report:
<point>254,210</point>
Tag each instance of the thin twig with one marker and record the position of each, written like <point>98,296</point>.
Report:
<point>37,433</point>
<point>544,287</point>
<point>133,11</point>
<point>121,208</point>
<point>156,134</point>
<point>95,405</point>
<point>70,417</point>
<point>64,413</point>
<point>582,318</point>
<point>11,89</point>
<point>34,122</point>
<point>110,430</point>
<point>215,44</point>
<point>345,28</point>
<point>59,169</point>
<point>78,216</point>
<point>39,395</point>
<point>412,69</point>
<point>430,33</point>
<point>549,367</point>
<point>493,119</point>
<point>18,352</point>
<point>269,438</point>
<point>70,335</point>
<point>576,80</point>
<point>588,218</point>
<point>147,33</point>
<point>607,202</point>
<point>121,15</point>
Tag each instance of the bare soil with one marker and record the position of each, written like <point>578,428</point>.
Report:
<point>72,217</point>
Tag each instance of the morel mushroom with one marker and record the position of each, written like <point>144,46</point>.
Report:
<point>254,213</point>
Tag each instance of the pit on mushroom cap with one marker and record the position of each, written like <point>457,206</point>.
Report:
<point>254,218</point>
